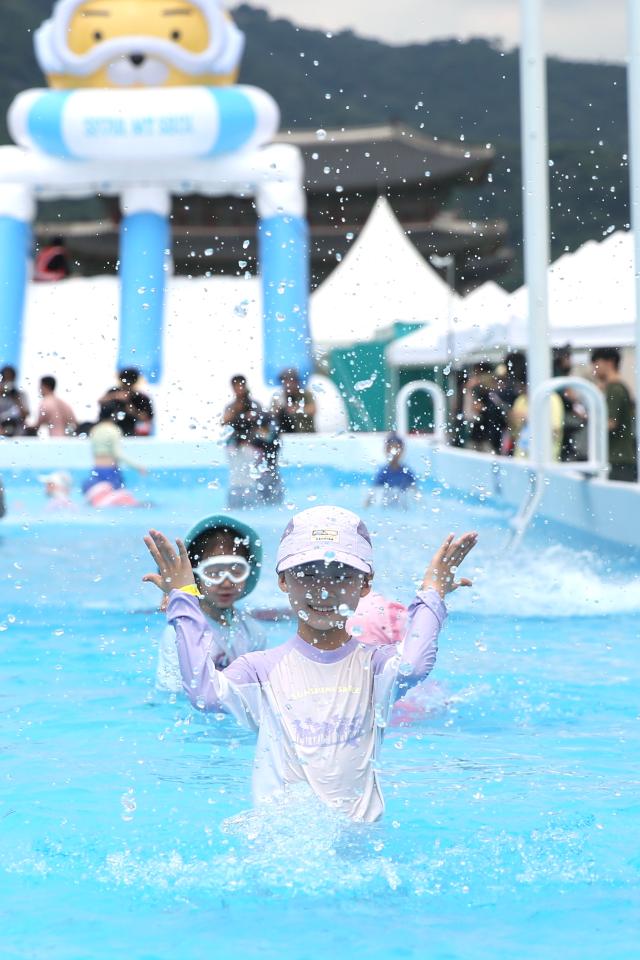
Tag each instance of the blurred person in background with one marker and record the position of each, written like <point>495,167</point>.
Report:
<point>54,415</point>
<point>489,419</point>
<point>132,409</point>
<point>621,412</point>
<point>251,448</point>
<point>480,374</point>
<point>52,262</point>
<point>518,418</point>
<point>295,408</point>
<point>574,434</point>
<point>14,408</point>
<point>511,382</point>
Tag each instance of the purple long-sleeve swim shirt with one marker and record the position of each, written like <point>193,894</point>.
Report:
<point>319,715</point>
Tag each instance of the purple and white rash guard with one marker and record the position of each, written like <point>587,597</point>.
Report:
<point>320,715</point>
<point>228,642</point>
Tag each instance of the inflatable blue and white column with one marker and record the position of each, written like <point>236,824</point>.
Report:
<point>144,245</point>
<point>17,210</point>
<point>283,235</point>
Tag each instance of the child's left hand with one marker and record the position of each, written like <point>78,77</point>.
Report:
<point>440,575</point>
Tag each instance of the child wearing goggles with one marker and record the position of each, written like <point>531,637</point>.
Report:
<point>225,557</point>
<point>320,701</point>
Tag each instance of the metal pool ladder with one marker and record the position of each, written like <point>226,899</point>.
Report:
<point>596,464</point>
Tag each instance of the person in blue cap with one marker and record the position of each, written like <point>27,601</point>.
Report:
<point>226,557</point>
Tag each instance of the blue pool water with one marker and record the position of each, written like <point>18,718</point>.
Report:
<point>512,808</point>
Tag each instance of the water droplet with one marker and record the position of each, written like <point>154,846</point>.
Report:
<point>129,805</point>
<point>365,384</point>
<point>321,134</point>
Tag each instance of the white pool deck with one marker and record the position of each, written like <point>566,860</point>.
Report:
<point>599,508</point>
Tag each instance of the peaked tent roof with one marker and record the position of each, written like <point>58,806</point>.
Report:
<point>383,279</point>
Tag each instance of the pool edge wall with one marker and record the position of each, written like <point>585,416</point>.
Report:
<point>610,511</point>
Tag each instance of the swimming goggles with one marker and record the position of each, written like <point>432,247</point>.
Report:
<point>215,570</point>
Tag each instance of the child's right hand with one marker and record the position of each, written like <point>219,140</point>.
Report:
<point>174,569</point>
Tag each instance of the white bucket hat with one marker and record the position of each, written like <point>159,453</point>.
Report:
<point>222,56</point>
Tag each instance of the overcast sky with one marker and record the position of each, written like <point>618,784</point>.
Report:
<point>575,29</point>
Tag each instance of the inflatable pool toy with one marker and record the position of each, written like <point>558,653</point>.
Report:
<point>380,621</point>
<point>142,105</point>
<point>103,495</point>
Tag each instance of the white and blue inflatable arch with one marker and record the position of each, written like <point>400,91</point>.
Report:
<point>143,145</point>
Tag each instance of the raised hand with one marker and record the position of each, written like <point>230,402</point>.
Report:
<point>442,570</point>
<point>174,566</point>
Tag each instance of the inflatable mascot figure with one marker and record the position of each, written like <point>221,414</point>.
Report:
<point>142,104</point>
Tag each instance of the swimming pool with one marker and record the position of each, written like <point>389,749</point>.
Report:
<point>512,810</point>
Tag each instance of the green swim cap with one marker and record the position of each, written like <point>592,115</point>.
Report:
<point>219,522</point>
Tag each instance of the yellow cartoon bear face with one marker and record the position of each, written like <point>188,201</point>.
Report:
<point>139,43</point>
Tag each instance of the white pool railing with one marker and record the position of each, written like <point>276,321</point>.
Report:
<point>439,434</point>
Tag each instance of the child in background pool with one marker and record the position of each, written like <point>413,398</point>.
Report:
<point>319,702</point>
<point>57,489</point>
<point>393,481</point>
<point>225,556</point>
<point>105,486</point>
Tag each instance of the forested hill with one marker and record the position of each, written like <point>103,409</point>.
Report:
<point>450,89</point>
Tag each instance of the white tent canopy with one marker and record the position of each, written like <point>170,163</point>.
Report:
<point>481,318</point>
<point>383,279</point>
<point>591,303</point>
<point>591,297</point>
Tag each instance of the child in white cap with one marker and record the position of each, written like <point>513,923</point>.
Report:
<point>319,702</point>
<point>57,489</point>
